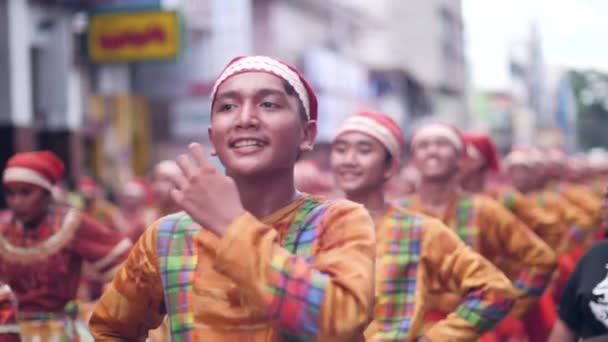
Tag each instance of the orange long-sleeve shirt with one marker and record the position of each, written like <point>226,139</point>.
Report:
<point>490,229</point>
<point>418,258</point>
<point>582,198</point>
<point>248,287</point>
<point>547,225</point>
<point>580,225</point>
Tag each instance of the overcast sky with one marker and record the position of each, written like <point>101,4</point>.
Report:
<point>574,33</point>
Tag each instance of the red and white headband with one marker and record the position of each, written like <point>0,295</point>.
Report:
<point>518,157</point>
<point>16,174</point>
<point>373,128</point>
<point>438,130</point>
<point>270,65</point>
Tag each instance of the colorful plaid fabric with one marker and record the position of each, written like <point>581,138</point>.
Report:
<point>466,228</point>
<point>508,200</point>
<point>531,281</point>
<point>396,271</point>
<point>50,326</point>
<point>465,220</point>
<point>177,261</point>
<point>482,310</point>
<point>296,290</point>
<point>575,235</point>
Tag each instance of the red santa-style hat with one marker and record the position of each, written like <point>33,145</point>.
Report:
<point>275,67</point>
<point>41,168</point>
<point>87,185</point>
<point>437,129</point>
<point>378,126</point>
<point>480,145</point>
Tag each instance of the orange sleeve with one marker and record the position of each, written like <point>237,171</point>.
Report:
<point>543,223</point>
<point>580,227</point>
<point>521,248</point>
<point>133,303</point>
<point>487,294</point>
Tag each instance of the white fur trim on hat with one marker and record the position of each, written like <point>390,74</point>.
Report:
<point>474,153</point>
<point>168,167</point>
<point>25,175</point>
<point>267,64</point>
<point>517,158</point>
<point>374,129</point>
<point>134,189</point>
<point>438,130</point>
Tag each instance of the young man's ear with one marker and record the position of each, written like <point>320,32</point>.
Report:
<point>391,169</point>
<point>309,136</point>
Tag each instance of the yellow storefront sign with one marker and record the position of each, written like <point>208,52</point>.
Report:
<point>134,36</point>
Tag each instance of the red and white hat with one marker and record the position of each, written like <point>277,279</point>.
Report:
<point>167,167</point>
<point>378,126</point>
<point>41,168</point>
<point>451,133</point>
<point>285,71</point>
<point>87,185</point>
<point>480,145</point>
<point>136,187</point>
<point>519,157</point>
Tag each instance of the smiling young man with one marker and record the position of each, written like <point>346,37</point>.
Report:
<point>250,258</point>
<point>416,257</point>
<point>482,223</point>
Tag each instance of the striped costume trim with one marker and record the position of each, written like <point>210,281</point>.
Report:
<point>397,271</point>
<point>28,255</point>
<point>296,290</point>
<point>465,220</point>
<point>483,312</point>
<point>466,228</point>
<point>177,262</point>
<point>9,329</point>
<point>508,200</point>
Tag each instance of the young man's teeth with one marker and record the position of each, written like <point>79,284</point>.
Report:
<point>244,143</point>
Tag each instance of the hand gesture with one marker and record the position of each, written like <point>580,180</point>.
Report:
<point>210,198</point>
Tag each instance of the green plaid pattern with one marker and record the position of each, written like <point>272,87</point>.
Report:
<point>177,260</point>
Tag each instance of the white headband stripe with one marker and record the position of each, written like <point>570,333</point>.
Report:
<point>25,175</point>
<point>474,153</point>
<point>517,158</point>
<point>263,63</point>
<point>168,167</point>
<point>374,129</point>
<point>438,131</point>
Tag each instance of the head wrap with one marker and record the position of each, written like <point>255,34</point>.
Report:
<point>378,126</point>
<point>41,168</point>
<point>288,73</point>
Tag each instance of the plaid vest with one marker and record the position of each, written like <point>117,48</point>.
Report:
<point>464,226</point>
<point>178,260</point>
<point>396,277</point>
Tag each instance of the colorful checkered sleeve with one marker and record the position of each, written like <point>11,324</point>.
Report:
<point>575,235</point>
<point>484,310</point>
<point>532,281</point>
<point>296,293</point>
<point>327,296</point>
